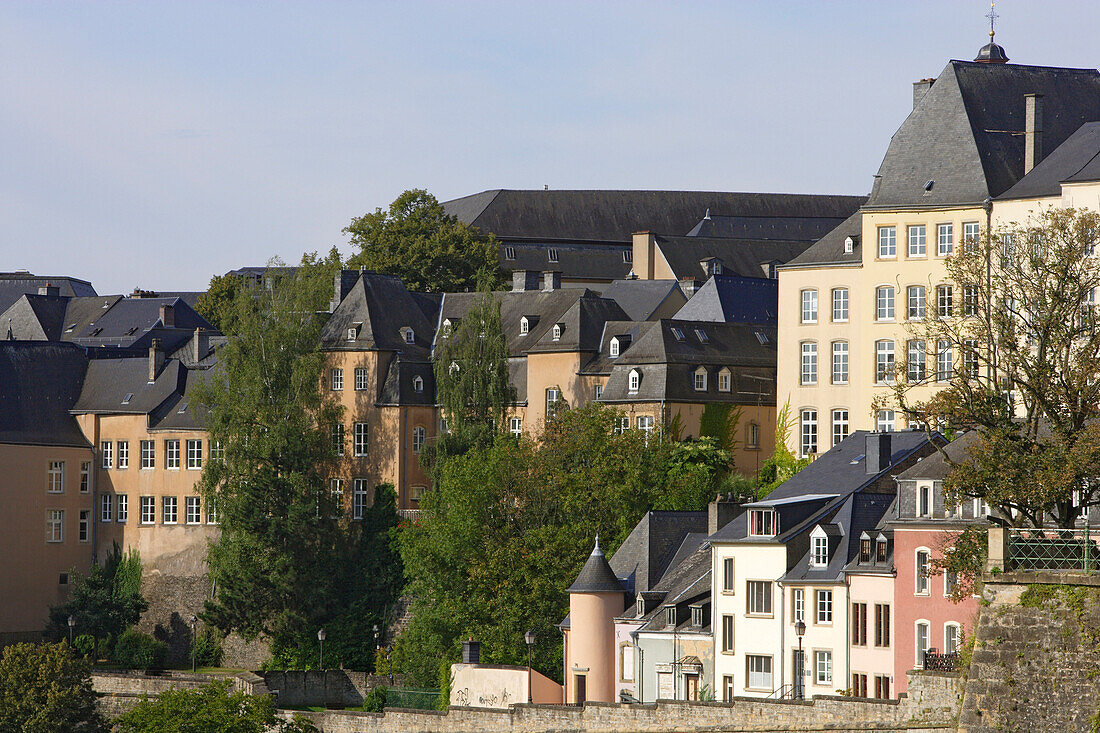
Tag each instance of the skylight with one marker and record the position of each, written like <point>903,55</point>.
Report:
<point>129,396</point>
<point>677,333</point>
<point>761,337</point>
<point>702,336</point>
<point>183,408</point>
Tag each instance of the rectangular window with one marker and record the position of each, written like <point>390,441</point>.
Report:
<point>360,378</point>
<point>759,671</point>
<point>945,369</point>
<point>336,495</point>
<point>840,304</point>
<point>148,454</point>
<point>859,622</point>
<point>123,454</point>
<point>84,519</point>
<point>859,685</point>
<point>823,664</point>
<point>515,426</point>
<point>882,686</point>
<point>798,605</point>
<point>727,686</point>
<point>921,642</point>
<point>884,421</point>
<point>840,362</point>
<point>105,508</point>
<point>148,509</point>
<point>923,562</point>
<point>753,441</point>
<point>884,303</point>
<point>55,477</point>
<point>727,574</point>
<point>123,513</point>
<point>55,525</point>
<point>553,395</point>
<point>171,454</point>
<point>917,242</point>
<point>337,379</point>
<point>809,306</point>
<point>971,235</point>
<point>881,550</point>
<point>887,242</point>
<point>597,392</point>
<point>725,381</point>
<point>762,523</point>
<point>85,477</point>
<point>337,436</point>
<point>359,498</point>
<point>950,582</point>
<point>945,239</point>
<point>106,451</point>
<point>809,432</point>
<point>945,303</point>
<point>840,426</point>
<point>884,362</point>
<point>820,555</point>
<point>217,450</point>
<point>865,550</point>
<point>727,633</point>
<point>645,423</point>
<point>194,454</point>
<point>918,305</point>
<point>824,602</point>
<point>193,510</point>
<point>952,635</point>
<point>970,358</point>
<point>169,510</point>
<point>882,625</point>
<point>916,364</point>
<point>420,436</point>
<point>759,598</point>
<point>359,439</point>
<point>809,364</point>
<point>700,383</point>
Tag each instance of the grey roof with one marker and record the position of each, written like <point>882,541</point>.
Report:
<point>597,262</point>
<point>642,299</point>
<point>687,582</point>
<point>1075,160</point>
<point>648,551</point>
<point>857,513</point>
<point>544,307</point>
<point>744,257</point>
<point>935,467</point>
<point>596,576</point>
<point>581,326</point>
<point>965,133</point>
<point>790,228</point>
<point>15,284</point>
<point>108,383</point>
<point>733,300</point>
<point>39,383</point>
<point>829,250</point>
<point>613,215</point>
<point>380,306</point>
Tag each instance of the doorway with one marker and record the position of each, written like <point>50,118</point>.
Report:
<point>580,686</point>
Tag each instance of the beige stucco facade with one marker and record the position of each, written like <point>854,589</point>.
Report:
<point>590,647</point>
<point>499,686</point>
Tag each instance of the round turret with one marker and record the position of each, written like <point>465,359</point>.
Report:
<point>595,599</point>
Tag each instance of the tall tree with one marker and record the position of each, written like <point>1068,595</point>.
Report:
<point>216,304</point>
<point>106,601</point>
<point>428,249</point>
<point>47,689</point>
<point>1017,357</point>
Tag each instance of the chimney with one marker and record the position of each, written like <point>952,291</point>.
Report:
<point>721,512</point>
<point>524,280</point>
<point>201,344</point>
<point>471,652</point>
<point>1033,131</point>
<point>920,88</point>
<point>687,284</point>
<point>645,245</point>
<point>168,315</point>
<point>343,282</point>
<point>156,359</point>
<point>551,280</point>
<point>48,289</point>
<point>878,452</point>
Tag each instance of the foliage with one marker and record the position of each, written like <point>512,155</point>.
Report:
<point>137,650</point>
<point>207,648</point>
<point>212,708</point>
<point>105,602</point>
<point>85,644</point>
<point>964,553</point>
<point>720,421</point>
<point>782,464</point>
<point>46,689</point>
<point>428,249</point>
<point>216,305</point>
<point>1026,349</point>
<point>375,701</point>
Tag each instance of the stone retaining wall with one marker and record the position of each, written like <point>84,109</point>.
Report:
<point>330,687</point>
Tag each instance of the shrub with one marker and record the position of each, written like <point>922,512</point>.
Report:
<point>376,699</point>
<point>207,648</point>
<point>135,650</point>
<point>105,647</point>
<point>85,645</point>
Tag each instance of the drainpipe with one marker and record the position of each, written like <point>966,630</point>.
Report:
<point>848,627</point>
<point>93,479</point>
<point>782,615</point>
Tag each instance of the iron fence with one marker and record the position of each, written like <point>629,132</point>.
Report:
<point>941,662</point>
<point>405,697</point>
<point>1052,549</point>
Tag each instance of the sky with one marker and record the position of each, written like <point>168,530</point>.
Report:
<point>155,144</point>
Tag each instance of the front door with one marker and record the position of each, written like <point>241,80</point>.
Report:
<point>580,682</point>
<point>691,686</point>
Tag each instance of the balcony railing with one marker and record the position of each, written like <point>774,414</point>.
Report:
<point>940,662</point>
<point>1052,549</point>
<point>409,514</point>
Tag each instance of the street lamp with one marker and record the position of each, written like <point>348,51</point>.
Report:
<point>529,637</point>
<point>193,620</point>
<point>321,638</point>
<point>800,630</point>
<point>72,625</point>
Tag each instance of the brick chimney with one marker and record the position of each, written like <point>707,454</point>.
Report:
<point>156,359</point>
<point>168,315</point>
<point>721,512</point>
<point>523,280</point>
<point>1033,130</point>
<point>551,280</point>
<point>878,452</point>
<point>200,344</point>
<point>920,88</point>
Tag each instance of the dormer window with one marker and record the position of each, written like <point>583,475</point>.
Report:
<point>819,557</point>
<point>761,337</point>
<point>762,523</point>
<point>183,408</point>
<point>410,336</point>
<point>418,384</point>
<point>880,549</point>
<point>725,380</point>
<point>717,268</point>
<point>635,380</point>
<point>639,608</point>
<point>864,548</point>
<point>353,332</point>
<point>849,245</point>
<point>524,325</point>
<point>453,369</point>
<point>556,335</point>
<point>614,348</point>
<point>701,379</point>
<point>670,616</point>
<point>697,616</point>
<point>509,253</point>
<point>702,336</point>
<point>447,327</point>
<point>677,333</point>
<point>552,254</point>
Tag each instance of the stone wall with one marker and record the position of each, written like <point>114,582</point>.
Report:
<point>1036,659</point>
<point>330,687</point>
<point>120,691</point>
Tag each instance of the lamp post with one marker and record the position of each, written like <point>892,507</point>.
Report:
<point>321,638</point>
<point>193,620</point>
<point>529,637</point>
<point>800,630</point>
<point>72,625</point>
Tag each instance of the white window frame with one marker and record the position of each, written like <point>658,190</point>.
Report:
<point>839,371</point>
<point>362,378</point>
<point>700,379</point>
<point>808,375</point>
<point>556,332</point>
<point>55,477</point>
<point>725,380</point>
<point>918,241</point>
<point>645,423</point>
<point>105,507</point>
<point>55,525</point>
<point>360,439</point>
<point>917,647</point>
<point>916,363</point>
<point>107,452</point>
<point>524,326</point>
<point>418,384</point>
<point>945,300</point>
<point>841,426</point>
<point>358,498</point>
<point>760,677</point>
<point>123,454</point>
<point>194,454</point>
<point>887,242</point>
<point>419,438</point>
<point>798,605</point>
<point>823,606</point>
<point>952,628</point>
<point>945,239</point>
<point>885,303</point>
<point>410,336</point>
<point>553,395</point>
<point>884,361</point>
<point>840,305</point>
<point>169,510</point>
<point>823,666</point>
<point>613,347</point>
<point>337,376</point>
<point>148,454</point>
<point>945,361</point>
<point>634,380</point>
<point>758,598</point>
<point>85,477</point>
<point>172,454</point>
<point>809,306</point>
<point>148,505</point>
<point>763,523</point>
<point>819,551</point>
<point>192,510</point>
<point>122,508</point>
<point>921,579</point>
<point>808,432</point>
<point>916,302</point>
<point>515,426</point>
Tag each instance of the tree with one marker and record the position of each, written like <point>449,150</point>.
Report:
<point>212,708</point>
<point>1019,362</point>
<point>216,304</point>
<point>106,601</point>
<point>428,249</point>
<point>45,688</point>
<point>782,464</point>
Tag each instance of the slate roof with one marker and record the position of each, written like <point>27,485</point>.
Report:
<point>650,548</point>
<point>581,326</point>
<point>380,306</point>
<point>39,382</point>
<point>790,228</point>
<point>641,299</point>
<point>965,133</point>
<point>743,257</point>
<point>108,382</point>
<point>547,305</point>
<point>601,262</point>
<point>1075,160</point>
<point>596,576</point>
<point>732,299</point>
<point>829,250</point>
<point>15,284</point>
<point>686,582</point>
<point>858,513</point>
<point>935,467</point>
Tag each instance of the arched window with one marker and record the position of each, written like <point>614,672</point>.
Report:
<point>524,325</point>
<point>701,379</point>
<point>410,336</point>
<point>418,384</point>
<point>557,331</point>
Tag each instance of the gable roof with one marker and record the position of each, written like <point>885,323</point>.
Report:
<point>1075,160</point>
<point>582,325</point>
<point>39,382</point>
<point>641,299</point>
<point>648,551</point>
<point>935,467</point>
<point>545,307</point>
<point>858,513</point>
<point>743,257</point>
<point>732,299</point>
<point>829,250</point>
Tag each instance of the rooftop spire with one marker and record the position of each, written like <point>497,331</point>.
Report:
<point>991,53</point>
<point>992,15</point>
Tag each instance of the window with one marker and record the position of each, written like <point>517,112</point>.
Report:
<point>360,378</point>
<point>524,325</point>
<point>84,520</point>
<point>727,633</point>
<point>697,616</point>
<point>923,561</point>
<point>419,435</point>
<point>881,549</point>
<point>970,358</point>
<point>759,671</point>
<point>882,686</point>
<point>971,235</point>
<point>123,454</point>
<point>701,379</point>
<point>820,556</point>
<point>337,436</point>
<point>917,302</point>
<point>945,370</point>
<point>211,511</point>
<point>884,362</point>
<point>148,454</point>
<point>952,638</point>
<point>410,336</point>
<point>123,508</point>
<point>635,380</point>
<point>336,495</point>
<point>677,333</point>
<point>823,664</point>
<point>353,333</point>
<point>645,423</point>
<point>85,477</point>
<point>798,605</point>
<point>824,606</point>
<point>725,380</point>
<point>884,303</point>
<point>444,426</point>
<point>840,362</point>
<point>865,549</point>
<point>509,253</point>
<point>762,523</point>
<point>887,242</point>
<point>168,509</point>
<point>552,254</point>
<point>217,451</point>
<point>613,347</point>
<point>55,525</point>
<point>702,336</point>
<point>105,508</point>
<point>194,454</point>
<point>917,242</point>
<point>358,498</point>
<point>859,621</point>
<point>626,662</point>
<point>950,582</point>
<point>921,642</point>
<point>727,574</point>
<point>553,394</point>
<point>418,384</point>
<point>192,510</point>
<point>55,477</point>
<point>945,239</point>
<point>621,425</point>
<point>727,686</point>
<point>916,364</point>
<point>359,439</point>
<point>148,509</point>
<point>752,440</point>
<point>628,255</point>
<point>759,598</point>
<point>859,684</point>
<point>337,379</point>
<point>809,432</point>
<point>106,450</point>
<point>945,301</point>
<point>171,454</point>
<point>515,426</point>
<point>882,625</point>
<point>809,363</point>
<point>809,306</point>
<point>884,421</point>
<point>924,498</point>
<point>840,304</point>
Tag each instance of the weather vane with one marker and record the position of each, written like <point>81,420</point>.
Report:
<point>992,15</point>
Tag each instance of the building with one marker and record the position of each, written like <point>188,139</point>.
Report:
<point>19,283</point>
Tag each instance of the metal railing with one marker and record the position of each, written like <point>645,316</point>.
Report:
<point>410,514</point>
<point>1052,549</point>
<point>941,662</point>
<point>786,692</point>
<point>405,697</point>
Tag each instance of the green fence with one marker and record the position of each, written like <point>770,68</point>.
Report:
<point>404,697</point>
<point>1053,549</point>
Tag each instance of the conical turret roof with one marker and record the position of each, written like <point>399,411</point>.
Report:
<point>596,576</point>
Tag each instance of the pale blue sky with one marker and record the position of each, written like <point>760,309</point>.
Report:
<point>155,144</point>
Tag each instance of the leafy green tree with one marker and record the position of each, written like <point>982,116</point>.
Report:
<point>782,464</point>
<point>45,688</point>
<point>212,708</point>
<point>429,250</point>
<point>105,602</point>
<point>216,304</point>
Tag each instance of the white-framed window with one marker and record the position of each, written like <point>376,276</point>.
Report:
<point>613,347</point>
<point>809,363</point>
<point>337,436</point>
<point>970,358</point>
<point>192,510</point>
<point>524,325</point>
<point>628,256</point>
<point>823,600</point>
<point>808,431</point>
<point>917,242</point>
<point>419,436</point>
<point>884,303</point>
<point>884,421</point>
<point>762,523</point>
<point>923,641</point>
<point>105,506</point>
<point>217,450</point>
<point>820,556</point>
<point>950,580</point>
<point>945,239</point>
<point>553,394</point>
<point>194,454</point>
<point>172,453</point>
<point>887,242</point>
<point>123,454</point>
<point>169,509</point>
<point>55,525</point>
<point>952,637</point>
<point>556,332</point>
<point>552,255</point>
<point>122,505</point>
<point>83,525</point>
<point>360,439</point>
<point>85,477</point>
<point>759,597</point>
<point>758,671</point>
<point>645,423</point>
<point>725,380</point>
<point>809,306</point>
<point>823,667</point>
<point>979,508</point>
<point>509,253</point>
<point>418,384</point>
<point>917,360</point>
<point>360,378</point>
<point>444,426</point>
<point>945,364</point>
<point>727,575</point>
<point>410,336</point>
<point>515,426</point>
<point>55,477</point>
<point>700,381</point>
<point>353,333</point>
<point>337,379</point>
<point>358,498</point>
<point>924,500</point>
<point>918,302</point>
<point>621,425</point>
<point>727,687</point>
<point>972,232</point>
<point>840,362</point>
<point>211,511</point>
<point>106,451</point>
<point>634,380</point>
<point>148,509</point>
<point>798,605</point>
<point>840,426</point>
<point>336,495</point>
<point>148,454</point>
<point>840,305</point>
<point>923,561</point>
<point>945,301</point>
<point>884,361</point>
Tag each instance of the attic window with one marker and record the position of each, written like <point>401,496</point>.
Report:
<point>725,379</point>
<point>353,333</point>
<point>762,523</point>
<point>509,253</point>
<point>697,616</point>
<point>183,409</point>
<point>106,304</point>
<point>820,556</point>
<point>761,337</point>
<point>129,396</point>
<point>670,615</point>
<point>614,347</point>
<point>880,550</point>
<point>635,380</point>
<point>418,384</point>
<point>557,331</point>
<point>446,327</point>
<point>552,254</point>
<point>410,336</point>
<point>865,548</point>
<point>702,336</point>
<point>131,330</point>
<point>677,333</point>
<point>717,268</point>
<point>453,368</point>
<point>628,255</point>
<point>640,609</point>
<point>849,245</point>
<point>700,381</point>
<point>524,325</point>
